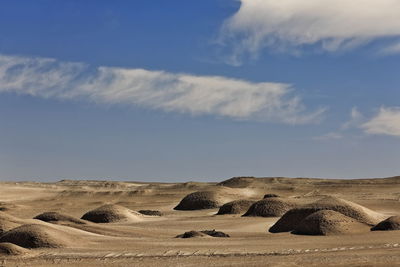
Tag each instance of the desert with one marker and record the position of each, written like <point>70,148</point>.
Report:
<point>199,133</point>
<point>301,222</point>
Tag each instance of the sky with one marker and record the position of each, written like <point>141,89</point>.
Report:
<point>155,90</point>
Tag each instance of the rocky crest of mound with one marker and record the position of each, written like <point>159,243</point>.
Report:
<point>10,249</point>
<point>235,207</point>
<point>350,209</point>
<point>214,233</point>
<point>293,217</point>
<point>204,233</point>
<point>192,234</point>
<point>57,217</point>
<point>201,200</point>
<point>328,222</point>
<point>391,223</point>
<point>151,212</point>
<point>238,182</point>
<point>111,213</point>
<point>35,236</point>
<point>269,207</point>
<point>270,195</point>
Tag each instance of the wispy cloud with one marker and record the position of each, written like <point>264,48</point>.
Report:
<point>331,25</point>
<point>391,50</point>
<point>386,122</point>
<point>171,92</point>
<point>329,136</point>
<point>356,118</point>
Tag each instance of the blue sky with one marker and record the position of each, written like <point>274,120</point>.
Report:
<point>181,90</point>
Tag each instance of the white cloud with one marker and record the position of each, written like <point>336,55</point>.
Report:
<point>386,122</point>
<point>331,24</point>
<point>197,95</point>
<point>356,118</point>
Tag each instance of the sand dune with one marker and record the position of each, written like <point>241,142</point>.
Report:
<point>215,197</point>
<point>329,222</point>
<point>348,208</point>
<point>235,207</point>
<point>206,199</point>
<point>57,217</point>
<point>270,207</point>
<point>112,213</point>
<point>36,236</point>
<point>201,200</point>
<point>238,182</point>
<point>292,218</point>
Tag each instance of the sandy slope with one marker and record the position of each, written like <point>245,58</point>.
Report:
<point>150,241</point>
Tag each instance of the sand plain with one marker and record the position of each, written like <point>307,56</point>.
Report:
<point>134,239</point>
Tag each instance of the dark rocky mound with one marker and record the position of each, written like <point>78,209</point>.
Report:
<point>235,207</point>
<point>348,208</point>
<point>10,249</point>
<point>58,217</point>
<point>270,195</point>
<point>214,233</point>
<point>391,223</point>
<point>205,233</point>
<point>269,207</point>
<point>328,222</point>
<point>151,212</point>
<point>35,236</point>
<point>238,182</point>
<point>200,200</point>
<point>293,217</point>
<point>111,213</point>
<point>192,234</point>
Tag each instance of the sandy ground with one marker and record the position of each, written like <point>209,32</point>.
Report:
<point>152,242</point>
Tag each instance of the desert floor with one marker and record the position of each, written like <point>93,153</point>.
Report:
<point>151,241</point>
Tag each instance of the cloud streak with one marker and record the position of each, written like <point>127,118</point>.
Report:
<point>356,119</point>
<point>159,90</point>
<point>391,50</point>
<point>329,24</point>
<point>386,122</point>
